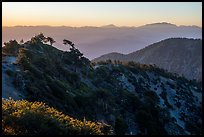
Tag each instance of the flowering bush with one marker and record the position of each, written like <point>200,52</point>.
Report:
<point>26,118</point>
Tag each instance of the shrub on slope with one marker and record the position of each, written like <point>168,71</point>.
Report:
<point>26,118</point>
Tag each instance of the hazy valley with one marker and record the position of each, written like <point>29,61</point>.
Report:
<point>97,41</point>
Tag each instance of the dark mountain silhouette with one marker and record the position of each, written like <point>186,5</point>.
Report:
<point>109,26</point>
<point>162,24</point>
<point>177,55</point>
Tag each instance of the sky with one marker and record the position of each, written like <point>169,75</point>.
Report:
<point>77,14</point>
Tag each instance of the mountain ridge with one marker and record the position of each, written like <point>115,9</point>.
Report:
<point>165,48</point>
<point>111,25</point>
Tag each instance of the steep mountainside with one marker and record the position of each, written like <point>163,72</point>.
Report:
<point>177,55</point>
<point>132,98</point>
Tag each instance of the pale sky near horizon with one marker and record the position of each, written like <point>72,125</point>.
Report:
<point>79,14</point>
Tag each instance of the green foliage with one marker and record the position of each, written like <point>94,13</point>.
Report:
<point>57,90</point>
<point>103,62</point>
<point>10,73</point>
<point>38,39</point>
<point>152,96</point>
<point>84,88</point>
<point>120,126</point>
<point>22,59</point>
<point>36,118</point>
<point>143,118</point>
<point>149,122</point>
<point>11,47</point>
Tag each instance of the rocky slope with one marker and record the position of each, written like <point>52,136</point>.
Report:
<point>9,72</point>
<point>132,98</point>
<point>177,55</point>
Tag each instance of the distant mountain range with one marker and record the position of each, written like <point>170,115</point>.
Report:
<point>178,55</point>
<point>97,41</point>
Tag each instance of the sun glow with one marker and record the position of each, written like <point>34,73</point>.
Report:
<point>100,13</point>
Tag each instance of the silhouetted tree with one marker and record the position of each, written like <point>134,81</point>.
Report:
<point>11,42</point>
<point>40,36</point>
<point>66,42</point>
<point>108,61</point>
<point>21,42</point>
<point>45,40</point>
<point>76,54</point>
<point>51,40</point>
<point>11,47</point>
